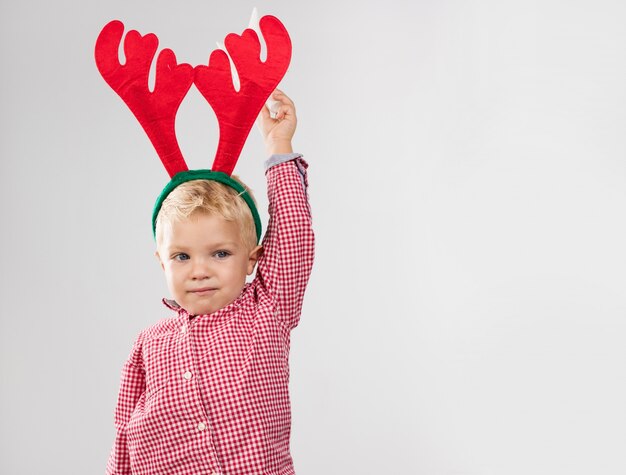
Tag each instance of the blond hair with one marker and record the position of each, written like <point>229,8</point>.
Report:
<point>210,197</point>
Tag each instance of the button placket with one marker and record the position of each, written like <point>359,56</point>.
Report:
<point>188,367</point>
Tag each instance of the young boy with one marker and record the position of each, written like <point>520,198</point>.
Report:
<point>206,391</point>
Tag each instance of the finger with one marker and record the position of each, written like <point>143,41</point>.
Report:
<point>285,112</point>
<point>282,97</point>
<point>281,113</point>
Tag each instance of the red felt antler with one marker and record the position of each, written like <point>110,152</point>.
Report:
<point>236,111</point>
<point>156,111</point>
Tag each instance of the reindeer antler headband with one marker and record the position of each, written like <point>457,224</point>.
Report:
<point>236,110</point>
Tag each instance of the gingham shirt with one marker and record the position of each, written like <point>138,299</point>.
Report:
<point>209,394</point>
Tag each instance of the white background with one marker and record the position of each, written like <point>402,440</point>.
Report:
<point>468,180</point>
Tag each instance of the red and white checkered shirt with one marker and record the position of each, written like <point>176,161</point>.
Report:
<point>209,394</point>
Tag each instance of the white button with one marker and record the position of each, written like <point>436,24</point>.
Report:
<point>187,375</point>
<point>201,426</point>
<point>183,329</point>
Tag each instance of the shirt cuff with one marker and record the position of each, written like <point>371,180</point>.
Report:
<point>279,158</point>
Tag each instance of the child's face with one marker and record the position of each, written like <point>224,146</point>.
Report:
<point>205,262</point>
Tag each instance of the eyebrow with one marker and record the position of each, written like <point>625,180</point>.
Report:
<point>181,247</point>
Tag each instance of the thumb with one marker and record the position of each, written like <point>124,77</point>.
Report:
<point>263,117</point>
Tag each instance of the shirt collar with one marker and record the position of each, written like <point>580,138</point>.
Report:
<point>171,304</point>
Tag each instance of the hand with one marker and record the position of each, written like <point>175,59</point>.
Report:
<point>278,132</point>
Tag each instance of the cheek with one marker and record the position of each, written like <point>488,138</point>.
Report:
<point>243,270</point>
<point>174,277</point>
<point>236,274</point>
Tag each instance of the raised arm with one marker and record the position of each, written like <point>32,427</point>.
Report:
<point>288,245</point>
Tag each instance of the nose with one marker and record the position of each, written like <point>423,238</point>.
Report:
<point>200,269</point>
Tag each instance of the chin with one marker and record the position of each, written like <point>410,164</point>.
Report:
<point>205,310</point>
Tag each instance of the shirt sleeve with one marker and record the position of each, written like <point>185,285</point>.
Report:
<point>288,244</point>
<point>131,388</point>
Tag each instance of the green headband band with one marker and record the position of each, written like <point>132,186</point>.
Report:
<point>189,175</point>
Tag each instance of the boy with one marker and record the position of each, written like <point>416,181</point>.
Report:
<point>206,391</point>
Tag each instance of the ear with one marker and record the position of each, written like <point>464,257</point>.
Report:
<point>158,257</point>
<point>253,257</point>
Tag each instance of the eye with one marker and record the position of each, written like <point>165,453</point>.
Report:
<point>221,254</point>
<point>181,257</point>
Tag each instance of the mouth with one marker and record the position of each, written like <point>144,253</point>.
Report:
<point>203,291</point>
